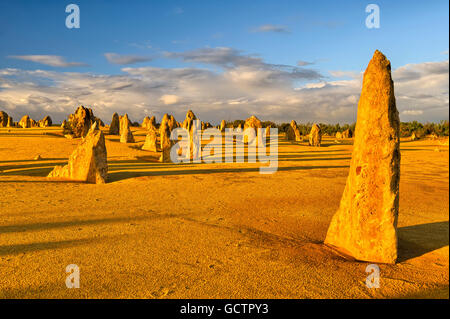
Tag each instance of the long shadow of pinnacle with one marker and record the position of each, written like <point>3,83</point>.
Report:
<point>417,240</point>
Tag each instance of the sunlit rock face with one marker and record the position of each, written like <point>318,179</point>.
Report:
<point>88,163</point>
<point>150,141</point>
<point>365,225</point>
<point>125,132</point>
<point>315,136</point>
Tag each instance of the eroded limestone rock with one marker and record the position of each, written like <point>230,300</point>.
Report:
<point>88,163</point>
<point>315,136</point>
<point>126,136</point>
<point>365,225</point>
<point>114,127</point>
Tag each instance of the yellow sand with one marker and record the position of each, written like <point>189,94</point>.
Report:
<point>208,230</point>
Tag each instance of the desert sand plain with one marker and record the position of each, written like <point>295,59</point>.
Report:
<point>163,230</point>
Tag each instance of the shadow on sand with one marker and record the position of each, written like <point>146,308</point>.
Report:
<point>117,176</point>
<point>415,241</point>
<point>39,246</point>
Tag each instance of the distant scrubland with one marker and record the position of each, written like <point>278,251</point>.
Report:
<point>406,128</point>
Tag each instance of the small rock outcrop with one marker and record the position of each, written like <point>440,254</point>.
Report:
<point>88,163</point>
<point>293,133</point>
<point>165,142</point>
<point>254,123</point>
<point>114,127</point>
<point>149,123</point>
<point>222,126</point>
<point>45,122</point>
<point>10,122</point>
<point>150,141</point>
<point>126,136</point>
<point>347,133</point>
<point>315,135</point>
<point>5,119</point>
<point>27,122</point>
<point>80,122</point>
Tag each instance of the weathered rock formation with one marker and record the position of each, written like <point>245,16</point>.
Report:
<point>27,122</point>
<point>114,127</point>
<point>150,141</point>
<point>4,118</point>
<point>149,123</point>
<point>172,123</point>
<point>222,126</point>
<point>88,163</point>
<point>126,136</point>
<point>80,122</point>
<point>145,122</point>
<point>194,134</point>
<point>165,142</point>
<point>315,136</point>
<point>10,122</point>
<point>45,122</point>
<point>365,225</point>
<point>293,133</point>
<point>190,117</point>
<point>347,133</point>
<point>267,131</point>
<point>165,119</point>
<point>254,123</point>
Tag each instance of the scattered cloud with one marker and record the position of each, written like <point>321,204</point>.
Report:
<point>237,86</point>
<point>345,74</point>
<point>246,67</point>
<point>412,112</point>
<point>304,63</point>
<point>411,72</point>
<point>51,60</point>
<point>271,28</point>
<point>169,99</point>
<point>115,58</point>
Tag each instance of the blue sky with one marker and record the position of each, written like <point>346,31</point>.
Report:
<point>330,36</point>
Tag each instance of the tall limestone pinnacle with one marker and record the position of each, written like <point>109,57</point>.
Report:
<point>365,225</point>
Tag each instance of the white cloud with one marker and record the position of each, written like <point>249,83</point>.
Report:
<point>243,85</point>
<point>345,74</point>
<point>168,99</point>
<point>51,60</point>
<point>412,112</point>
